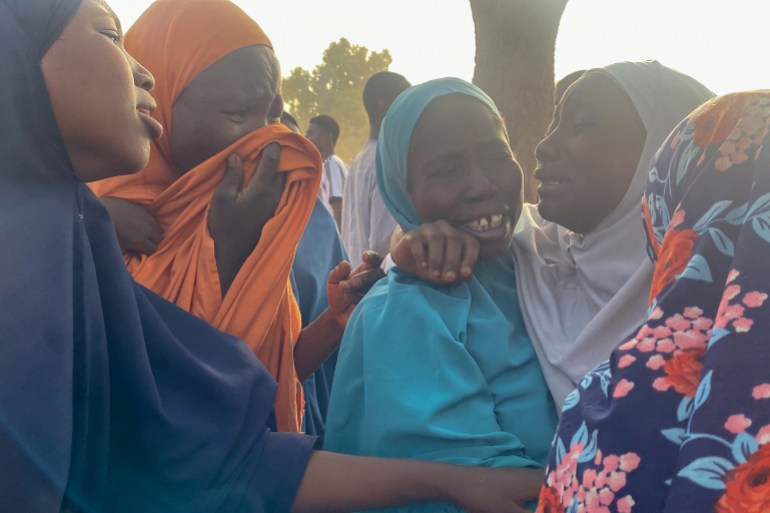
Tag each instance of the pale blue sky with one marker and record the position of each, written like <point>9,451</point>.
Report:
<point>723,43</point>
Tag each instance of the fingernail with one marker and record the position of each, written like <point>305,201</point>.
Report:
<point>466,271</point>
<point>423,264</point>
<point>449,276</point>
<point>436,274</point>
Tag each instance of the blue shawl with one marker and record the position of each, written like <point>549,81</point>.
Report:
<point>318,252</point>
<point>111,399</point>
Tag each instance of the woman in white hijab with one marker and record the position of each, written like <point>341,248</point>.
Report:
<point>582,272</point>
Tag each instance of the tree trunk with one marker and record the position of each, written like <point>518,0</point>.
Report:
<point>515,44</point>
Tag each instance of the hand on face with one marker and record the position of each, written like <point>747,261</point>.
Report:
<point>436,252</point>
<point>233,97</point>
<point>464,184</point>
<point>346,288</point>
<point>238,213</point>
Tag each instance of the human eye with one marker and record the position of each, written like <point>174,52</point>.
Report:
<point>237,115</point>
<point>114,35</point>
<point>447,172</point>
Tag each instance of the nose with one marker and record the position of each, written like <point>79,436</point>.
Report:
<point>546,148</point>
<point>142,76</point>
<point>479,186</point>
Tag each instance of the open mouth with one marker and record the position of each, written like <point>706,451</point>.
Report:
<point>483,224</point>
<point>155,128</point>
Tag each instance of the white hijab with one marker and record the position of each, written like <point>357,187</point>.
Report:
<point>582,294</point>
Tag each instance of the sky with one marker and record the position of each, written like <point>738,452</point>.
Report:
<point>722,43</point>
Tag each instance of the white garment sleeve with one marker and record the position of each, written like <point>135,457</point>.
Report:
<point>381,224</point>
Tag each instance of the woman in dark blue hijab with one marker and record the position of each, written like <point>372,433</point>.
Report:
<point>112,399</point>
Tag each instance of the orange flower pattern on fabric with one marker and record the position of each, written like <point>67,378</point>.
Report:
<point>687,394</point>
<point>748,485</point>
<point>550,501</point>
<point>674,254</point>
<point>683,371</point>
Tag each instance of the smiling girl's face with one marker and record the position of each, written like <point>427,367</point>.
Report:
<point>461,169</point>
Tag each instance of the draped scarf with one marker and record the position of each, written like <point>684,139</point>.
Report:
<point>176,40</point>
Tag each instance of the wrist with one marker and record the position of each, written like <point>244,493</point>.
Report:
<point>335,322</point>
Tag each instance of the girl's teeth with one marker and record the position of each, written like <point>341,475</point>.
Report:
<point>484,224</point>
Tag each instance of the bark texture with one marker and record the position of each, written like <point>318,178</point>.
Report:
<point>515,43</point>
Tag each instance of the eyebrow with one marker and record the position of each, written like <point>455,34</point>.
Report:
<point>109,12</point>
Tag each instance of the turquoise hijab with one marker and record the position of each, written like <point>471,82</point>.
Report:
<point>441,373</point>
<point>396,132</point>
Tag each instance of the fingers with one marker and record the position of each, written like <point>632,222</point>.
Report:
<point>145,247</point>
<point>265,176</point>
<point>359,283</point>
<point>339,273</point>
<point>231,181</point>
<point>416,247</point>
<point>155,230</point>
<point>460,251</point>
<point>436,238</point>
<point>371,258</point>
<point>470,256</point>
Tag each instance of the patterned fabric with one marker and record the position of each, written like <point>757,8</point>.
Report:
<point>679,419</point>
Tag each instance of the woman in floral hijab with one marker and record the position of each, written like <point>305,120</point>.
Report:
<point>679,419</point>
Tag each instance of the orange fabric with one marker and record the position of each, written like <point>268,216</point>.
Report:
<point>176,40</point>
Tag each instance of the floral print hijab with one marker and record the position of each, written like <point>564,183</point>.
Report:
<point>678,420</point>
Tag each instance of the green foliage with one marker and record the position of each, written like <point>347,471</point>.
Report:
<point>335,87</point>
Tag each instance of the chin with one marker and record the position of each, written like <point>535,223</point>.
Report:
<point>550,212</point>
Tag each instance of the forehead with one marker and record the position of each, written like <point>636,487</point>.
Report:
<point>90,9</point>
<point>599,92</point>
<point>452,120</point>
<point>247,71</point>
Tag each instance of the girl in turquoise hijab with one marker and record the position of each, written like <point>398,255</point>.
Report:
<point>435,372</point>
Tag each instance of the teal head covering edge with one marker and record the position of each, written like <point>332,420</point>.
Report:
<point>396,133</point>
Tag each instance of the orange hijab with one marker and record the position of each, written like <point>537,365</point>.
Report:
<point>176,40</point>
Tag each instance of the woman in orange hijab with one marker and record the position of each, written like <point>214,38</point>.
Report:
<point>221,206</point>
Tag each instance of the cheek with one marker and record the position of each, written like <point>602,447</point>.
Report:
<point>433,201</point>
<point>510,183</point>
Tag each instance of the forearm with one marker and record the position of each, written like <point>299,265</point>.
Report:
<point>337,482</point>
<point>316,342</point>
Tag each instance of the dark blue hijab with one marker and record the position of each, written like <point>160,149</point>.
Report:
<point>111,399</point>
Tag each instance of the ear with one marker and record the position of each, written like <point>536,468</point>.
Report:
<point>276,108</point>
<point>383,107</point>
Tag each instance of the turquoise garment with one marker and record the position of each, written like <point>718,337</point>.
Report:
<point>441,373</point>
